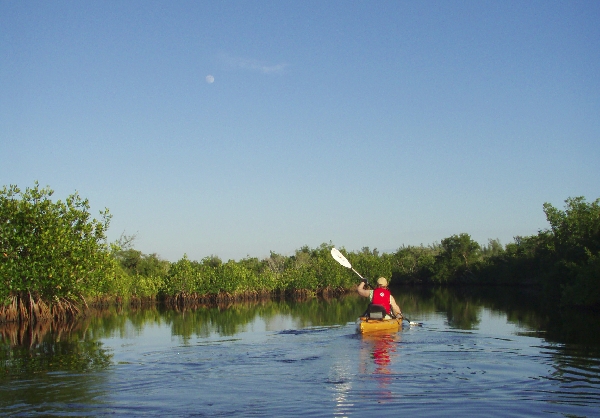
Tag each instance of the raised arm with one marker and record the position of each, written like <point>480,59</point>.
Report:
<point>362,291</point>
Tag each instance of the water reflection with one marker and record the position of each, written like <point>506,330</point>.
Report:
<point>378,351</point>
<point>462,308</point>
<point>88,362</point>
<point>44,364</point>
<point>26,349</point>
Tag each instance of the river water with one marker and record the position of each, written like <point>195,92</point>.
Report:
<point>475,355</point>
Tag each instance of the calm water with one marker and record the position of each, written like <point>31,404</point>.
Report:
<point>475,355</point>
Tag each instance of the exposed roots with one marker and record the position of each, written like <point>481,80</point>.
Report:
<point>9,313</point>
<point>191,300</point>
<point>65,310</point>
<point>184,301</point>
<point>30,308</point>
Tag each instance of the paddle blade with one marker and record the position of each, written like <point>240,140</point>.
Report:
<point>339,257</point>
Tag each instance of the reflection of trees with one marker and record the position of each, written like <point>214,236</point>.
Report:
<point>463,304</point>
<point>461,312</point>
<point>229,320</point>
<point>43,348</point>
<point>522,307</point>
<point>575,328</point>
<point>329,312</point>
<point>226,319</point>
<point>49,365</point>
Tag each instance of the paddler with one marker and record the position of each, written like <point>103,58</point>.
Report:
<point>381,295</point>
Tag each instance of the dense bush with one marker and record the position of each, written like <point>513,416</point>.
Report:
<point>50,250</point>
<point>55,252</point>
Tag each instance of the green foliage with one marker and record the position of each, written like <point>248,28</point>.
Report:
<point>371,264</point>
<point>562,260</point>
<point>576,230</point>
<point>53,249</point>
<point>138,274</point>
<point>308,269</point>
<point>183,277</point>
<point>413,264</point>
<point>56,250</point>
<point>583,286</point>
<point>493,249</point>
<point>572,252</point>
<point>457,258</point>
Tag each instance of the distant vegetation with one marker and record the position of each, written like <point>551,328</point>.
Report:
<point>54,259</point>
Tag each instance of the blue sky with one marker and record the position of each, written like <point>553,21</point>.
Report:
<point>376,124</point>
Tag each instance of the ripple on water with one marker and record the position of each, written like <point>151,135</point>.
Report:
<point>329,371</point>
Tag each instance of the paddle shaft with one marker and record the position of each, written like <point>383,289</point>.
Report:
<point>357,273</point>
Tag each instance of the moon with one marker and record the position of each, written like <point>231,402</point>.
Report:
<point>210,79</point>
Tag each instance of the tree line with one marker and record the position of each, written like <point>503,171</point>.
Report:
<point>55,259</point>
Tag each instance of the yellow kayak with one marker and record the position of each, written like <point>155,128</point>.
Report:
<point>366,325</point>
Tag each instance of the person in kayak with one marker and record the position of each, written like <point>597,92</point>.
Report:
<point>380,296</point>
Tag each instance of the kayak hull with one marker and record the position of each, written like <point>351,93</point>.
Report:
<point>365,325</point>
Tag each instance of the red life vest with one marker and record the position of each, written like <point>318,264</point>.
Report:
<point>381,297</point>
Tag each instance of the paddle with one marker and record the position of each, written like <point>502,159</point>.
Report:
<point>339,257</point>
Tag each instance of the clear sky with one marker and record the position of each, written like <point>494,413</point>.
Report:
<point>236,128</point>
